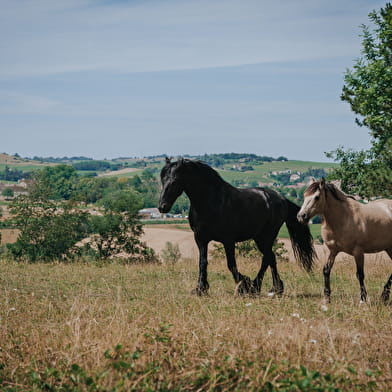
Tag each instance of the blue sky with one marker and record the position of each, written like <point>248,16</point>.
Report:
<point>106,79</point>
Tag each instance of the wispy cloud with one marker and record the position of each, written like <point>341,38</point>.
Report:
<point>46,37</point>
<point>242,75</point>
<point>12,102</point>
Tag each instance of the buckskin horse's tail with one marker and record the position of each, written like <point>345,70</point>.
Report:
<point>301,238</point>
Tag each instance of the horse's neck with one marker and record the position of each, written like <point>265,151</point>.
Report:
<point>337,213</point>
<point>200,193</point>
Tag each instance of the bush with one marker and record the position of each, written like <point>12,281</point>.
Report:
<point>48,230</point>
<point>7,192</point>
<point>116,233</point>
<point>249,250</point>
<point>171,253</point>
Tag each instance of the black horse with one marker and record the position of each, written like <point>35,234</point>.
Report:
<point>226,214</point>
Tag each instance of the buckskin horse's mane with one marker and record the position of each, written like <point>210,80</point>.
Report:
<point>330,188</point>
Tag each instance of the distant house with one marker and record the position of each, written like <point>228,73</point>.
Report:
<point>25,182</point>
<point>149,213</point>
<point>294,177</point>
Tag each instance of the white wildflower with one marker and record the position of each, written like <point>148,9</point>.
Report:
<point>324,307</point>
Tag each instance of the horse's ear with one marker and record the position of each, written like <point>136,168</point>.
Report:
<point>181,161</point>
<point>168,160</point>
<point>322,184</point>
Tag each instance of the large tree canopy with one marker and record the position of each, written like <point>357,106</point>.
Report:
<point>368,90</point>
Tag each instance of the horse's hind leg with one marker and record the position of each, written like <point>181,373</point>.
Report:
<point>244,284</point>
<point>359,259</point>
<point>387,287</point>
<point>269,259</point>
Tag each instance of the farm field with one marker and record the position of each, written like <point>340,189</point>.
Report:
<point>262,172</point>
<point>86,327</point>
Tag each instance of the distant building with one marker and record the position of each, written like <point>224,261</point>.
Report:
<point>294,177</point>
<point>149,213</point>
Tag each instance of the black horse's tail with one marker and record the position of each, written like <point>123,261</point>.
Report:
<point>301,238</point>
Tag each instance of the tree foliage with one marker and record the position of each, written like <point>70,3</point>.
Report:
<point>60,181</point>
<point>117,231</point>
<point>368,90</point>
<point>49,230</point>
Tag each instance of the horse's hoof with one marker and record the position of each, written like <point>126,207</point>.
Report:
<point>385,299</point>
<point>199,292</point>
<point>245,287</point>
<point>324,304</point>
<point>275,292</point>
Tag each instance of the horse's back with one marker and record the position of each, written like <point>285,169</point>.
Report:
<point>243,214</point>
<point>376,219</point>
<point>379,212</point>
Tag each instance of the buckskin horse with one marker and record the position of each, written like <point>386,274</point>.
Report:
<point>350,227</point>
<point>224,213</point>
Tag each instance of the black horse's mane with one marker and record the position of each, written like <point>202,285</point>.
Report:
<point>202,167</point>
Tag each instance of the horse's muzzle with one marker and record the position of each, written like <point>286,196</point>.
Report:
<point>303,218</point>
<point>163,208</point>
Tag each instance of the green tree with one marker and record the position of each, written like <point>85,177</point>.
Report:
<point>117,231</point>
<point>8,192</point>
<point>368,90</point>
<point>49,230</point>
<point>148,185</point>
<point>59,180</point>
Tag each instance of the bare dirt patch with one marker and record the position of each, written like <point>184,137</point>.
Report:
<point>156,238</point>
<point>119,172</point>
<point>8,236</point>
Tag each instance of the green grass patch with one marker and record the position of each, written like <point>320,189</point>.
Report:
<point>315,230</point>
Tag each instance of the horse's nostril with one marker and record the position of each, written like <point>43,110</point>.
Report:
<point>302,217</point>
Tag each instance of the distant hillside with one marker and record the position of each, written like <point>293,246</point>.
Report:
<point>239,169</point>
<point>6,159</point>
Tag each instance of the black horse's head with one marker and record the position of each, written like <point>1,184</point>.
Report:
<point>172,185</point>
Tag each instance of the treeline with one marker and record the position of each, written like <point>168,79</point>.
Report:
<point>219,160</point>
<point>92,165</point>
<point>58,159</point>
<point>13,174</point>
<point>64,183</point>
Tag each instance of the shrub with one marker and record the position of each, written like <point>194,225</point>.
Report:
<point>248,250</point>
<point>171,253</point>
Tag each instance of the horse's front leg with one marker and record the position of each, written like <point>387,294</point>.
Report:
<point>202,284</point>
<point>244,284</point>
<point>327,272</point>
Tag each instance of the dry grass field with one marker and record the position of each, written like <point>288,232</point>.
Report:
<point>88,327</point>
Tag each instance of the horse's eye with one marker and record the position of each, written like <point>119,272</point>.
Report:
<point>317,198</point>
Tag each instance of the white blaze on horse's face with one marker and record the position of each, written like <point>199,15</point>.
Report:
<point>312,205</point>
